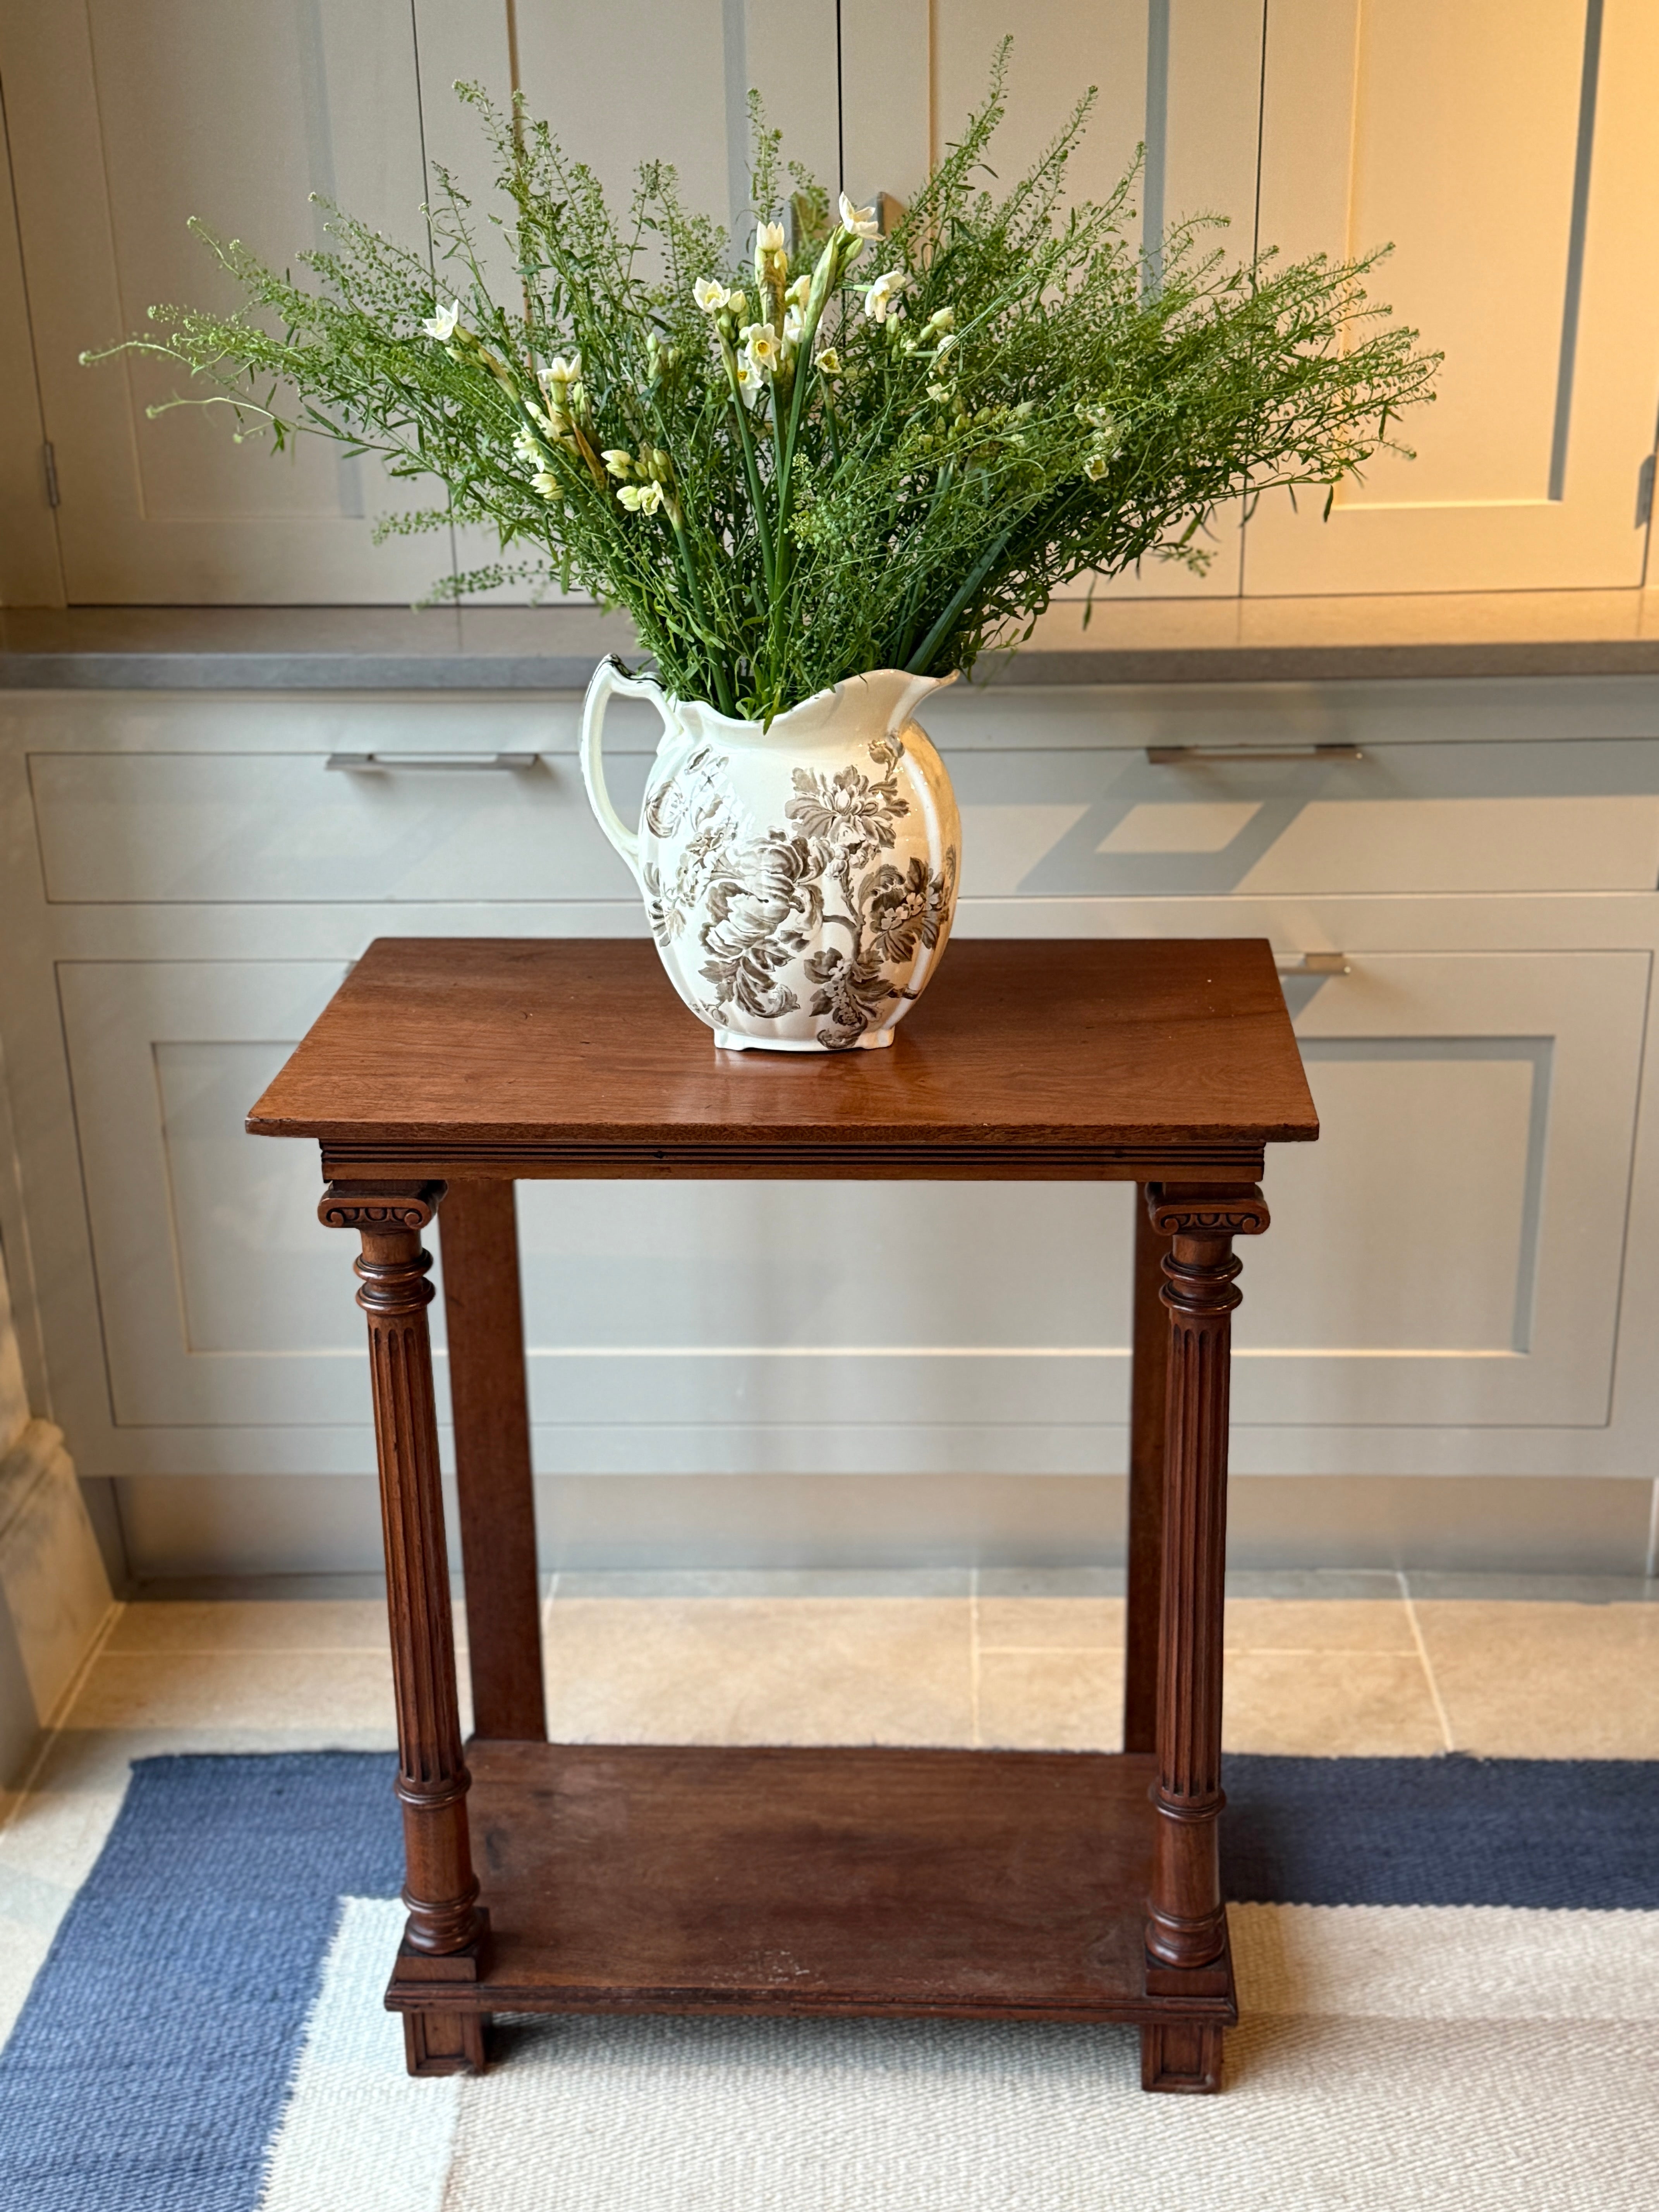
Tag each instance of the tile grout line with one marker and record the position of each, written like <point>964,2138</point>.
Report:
<point>1440,1714</point>
<point>973,1654</point>
<point>1231,1650</point>
<point>263,1651</point>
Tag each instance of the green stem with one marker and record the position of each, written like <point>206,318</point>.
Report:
<point>831,263</point>
<point>907,628</point>
<point>917,664</point>
<point>723,688</point>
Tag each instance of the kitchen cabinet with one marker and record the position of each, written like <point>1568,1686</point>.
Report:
<point>1451,1287</point>
<point>1505,150</point>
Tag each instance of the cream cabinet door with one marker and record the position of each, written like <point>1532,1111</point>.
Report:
<point>1178,83</point>
<point>1450,1252</point>
<point>127,117</point>
<point>1506,148</point>
<point>694,1327</point>
<point>1445,1261</point>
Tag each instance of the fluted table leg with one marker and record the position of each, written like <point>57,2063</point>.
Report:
<point>446,1930</point>
<point>1186,1925</point>
<point>1148,1399</point>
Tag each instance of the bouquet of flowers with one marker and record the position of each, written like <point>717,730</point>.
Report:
<point>842,452</point>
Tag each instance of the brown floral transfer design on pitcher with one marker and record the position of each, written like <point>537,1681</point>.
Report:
<point>769,900</point>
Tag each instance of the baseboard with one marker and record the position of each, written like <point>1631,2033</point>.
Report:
<point>54,1592</point>
<point>204,1525</point>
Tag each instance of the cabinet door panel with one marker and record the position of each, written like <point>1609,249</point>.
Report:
<point>137,116</point>
<point>1504,149</point>
<point>1182,82</point>
<point>1451,1249</point>
<point>1448,1255</point>
<point>669,1320</point>
<point>213,1270</point>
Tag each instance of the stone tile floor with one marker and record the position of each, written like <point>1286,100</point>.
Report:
<point>1318,1663</point>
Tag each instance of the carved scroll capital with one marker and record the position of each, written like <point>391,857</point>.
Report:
<point>380,1204</point>
<point>1198,1209</point>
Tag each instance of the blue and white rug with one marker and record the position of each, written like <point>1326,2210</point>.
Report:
<point>1449,1970</point>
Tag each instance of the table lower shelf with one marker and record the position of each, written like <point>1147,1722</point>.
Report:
<point>981,1884</point>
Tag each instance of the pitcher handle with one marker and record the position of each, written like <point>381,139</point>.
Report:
<point>611,676</point>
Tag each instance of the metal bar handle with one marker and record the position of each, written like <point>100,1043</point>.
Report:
<point>362,763</point>
<point>1183,756</point>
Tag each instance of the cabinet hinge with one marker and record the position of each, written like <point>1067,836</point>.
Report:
<point>49,460</point>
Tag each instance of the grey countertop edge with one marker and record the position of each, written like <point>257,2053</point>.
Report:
<point>498,671</point>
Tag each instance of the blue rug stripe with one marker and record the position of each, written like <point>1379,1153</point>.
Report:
<point>1557,1834</point>
<point>149,2068</point>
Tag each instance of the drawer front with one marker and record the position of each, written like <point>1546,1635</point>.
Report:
<point>204,828</point>
<point>1580,815</point>
<point>1060,795</point>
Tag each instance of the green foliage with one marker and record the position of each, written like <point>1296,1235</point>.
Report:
<point>802,482</point>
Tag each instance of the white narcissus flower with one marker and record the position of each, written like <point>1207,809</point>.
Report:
<point>761,343</point>
<point>546,483</point>
<point>441,325</point>
<point>618,460</point>
<point>560,371</point>
<point>526,448</point>
<point>709,296</point>
<point>640,498</point>
<point>768,239</point>
<point>882,300</point>
<point>828,361</point>
<point>859,222</point>
<point>938,391</point>
<point>942,319</point>
<point>1095,467</point>
<point>799,292</point>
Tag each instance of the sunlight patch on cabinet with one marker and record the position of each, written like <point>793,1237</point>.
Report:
<point>1180,826</point>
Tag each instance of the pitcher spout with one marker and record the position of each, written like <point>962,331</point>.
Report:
<point>893,693</point>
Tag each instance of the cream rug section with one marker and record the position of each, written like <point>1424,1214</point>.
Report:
<point>358,2135</point>
<point>1391,2057</point>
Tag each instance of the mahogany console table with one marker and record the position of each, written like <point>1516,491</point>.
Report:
<point>988,1884</point>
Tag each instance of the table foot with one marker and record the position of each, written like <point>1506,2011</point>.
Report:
<point>1182,2057</point>
<point>445,2042</point>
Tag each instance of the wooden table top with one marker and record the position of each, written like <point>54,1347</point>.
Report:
<point>1128,1059</point>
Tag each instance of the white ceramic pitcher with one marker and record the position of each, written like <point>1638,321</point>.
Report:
<point>800,879</point>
